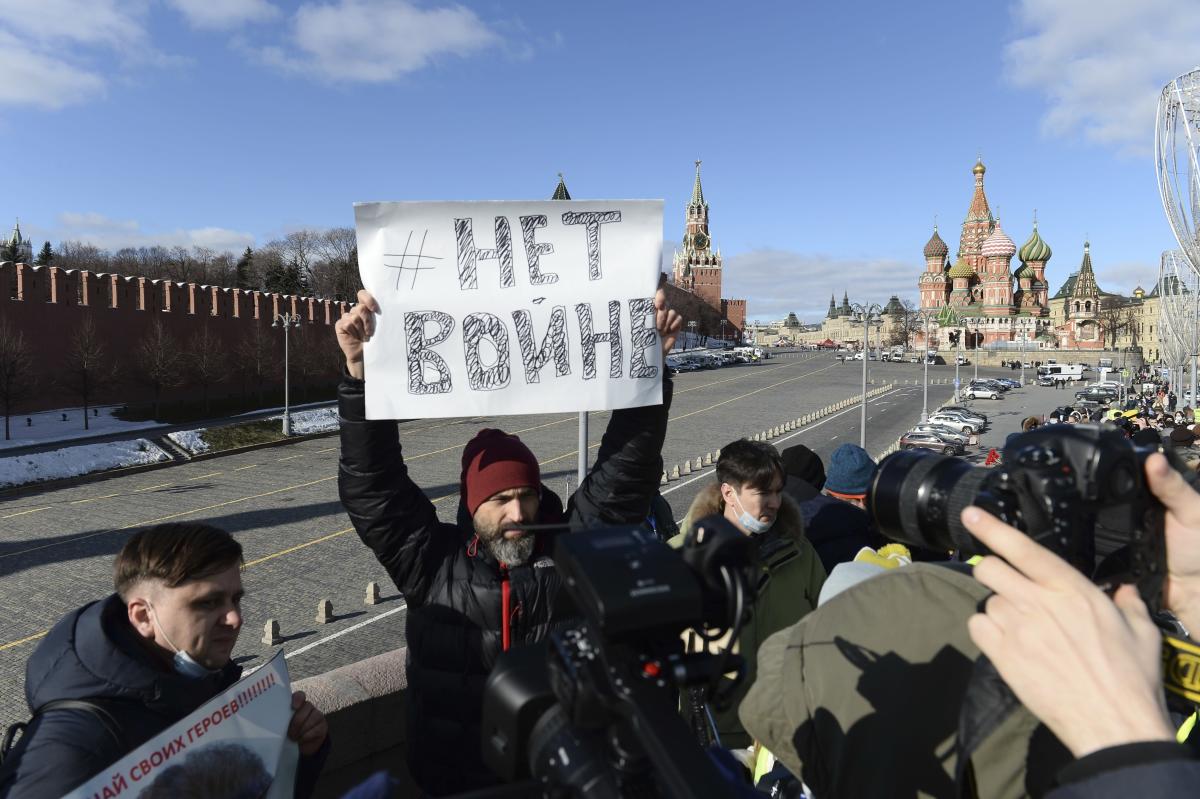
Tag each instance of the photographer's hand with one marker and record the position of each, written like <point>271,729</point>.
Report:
<point>1181,590</point>
<point>1087,666</point>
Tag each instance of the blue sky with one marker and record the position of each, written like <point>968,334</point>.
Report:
<point>831,134</point>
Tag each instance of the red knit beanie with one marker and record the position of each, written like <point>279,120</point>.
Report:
<point>494,461</point>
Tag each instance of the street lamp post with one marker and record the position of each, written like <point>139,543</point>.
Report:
<point>925,316</point>
<point>958,363</point>
<point>286,321</point>
<point>692,331</point>
<point>724,324</point>
<point>867,312</point>
<point>975,320</point>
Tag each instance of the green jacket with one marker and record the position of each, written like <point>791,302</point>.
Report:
<point>791,580</point>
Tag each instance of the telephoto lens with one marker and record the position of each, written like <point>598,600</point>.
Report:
<point>916,498</point>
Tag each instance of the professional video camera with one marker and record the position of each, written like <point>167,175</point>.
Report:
<point>595,710</point>
<point>1058,484</point>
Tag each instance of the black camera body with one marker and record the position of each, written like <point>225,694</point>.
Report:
<point>593,711</point>
<point>1060,484</point>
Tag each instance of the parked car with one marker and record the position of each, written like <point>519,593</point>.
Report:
<point>955,422</point>
<point>858,356</point>
<point>1045,381</point>
<point>945,432</point>
<point>962,360</point>
<point>983,392</point>
<point>963,410</point>
<point>914,359</point>
<point>1097,394</point>
<point>986,385</point>
<point>1006,381</point>
<point>916,440</point>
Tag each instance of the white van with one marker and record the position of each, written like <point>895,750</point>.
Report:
<point>1062,372</point>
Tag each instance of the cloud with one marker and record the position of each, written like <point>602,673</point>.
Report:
<point>376,41</point>
<point>113,234</point>
<point>1123,278</point>
<point>36,79</point>
<point>55,53</point>
<point>758,276</point>
<point>1102,63</point>
<point>224,14</point>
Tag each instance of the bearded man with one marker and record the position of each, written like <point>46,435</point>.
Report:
<point>481,586</point>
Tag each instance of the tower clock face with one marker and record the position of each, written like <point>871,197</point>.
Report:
<point>700,240</point>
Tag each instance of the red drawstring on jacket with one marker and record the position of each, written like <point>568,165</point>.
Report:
<point>473,547</point>
<point>505,599</point>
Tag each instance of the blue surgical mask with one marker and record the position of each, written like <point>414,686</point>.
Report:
<point>184,664</point>
<point>751,524</point>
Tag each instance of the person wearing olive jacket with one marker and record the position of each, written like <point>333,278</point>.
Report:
<point>749,493</point>
<point>478,587</point>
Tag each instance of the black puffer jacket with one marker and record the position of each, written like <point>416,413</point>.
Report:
<point>456,591</point>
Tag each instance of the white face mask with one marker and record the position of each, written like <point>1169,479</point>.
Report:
<point>184,663</point>
<point>752,525</point>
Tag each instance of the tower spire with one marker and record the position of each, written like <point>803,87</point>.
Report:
<point>697,192</point>
<point>560,191</point>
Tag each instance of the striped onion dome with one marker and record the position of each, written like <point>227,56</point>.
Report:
<point>998,244</point>
<point>1035,249</point>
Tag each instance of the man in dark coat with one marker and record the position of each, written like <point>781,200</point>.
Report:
<point>141,660</point>
<point>478,587</point>
<point>834,519</point>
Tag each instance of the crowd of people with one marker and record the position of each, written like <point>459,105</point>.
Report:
<point>872,668</point>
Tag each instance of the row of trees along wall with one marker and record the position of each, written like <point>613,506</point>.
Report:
<point>73,338</point>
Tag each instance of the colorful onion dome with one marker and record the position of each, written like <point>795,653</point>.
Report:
<point>998,244</point>
<point>961,269</point>
<point>1035,249</point>
<point>935,247</point>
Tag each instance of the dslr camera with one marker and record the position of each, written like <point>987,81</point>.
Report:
<point>1065,486</point>
<point>594,710</point>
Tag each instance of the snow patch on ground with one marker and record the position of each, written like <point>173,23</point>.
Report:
<point>190,440</point>
<point>74,461</point>
<point>318,420</point>
<point>48,426</point>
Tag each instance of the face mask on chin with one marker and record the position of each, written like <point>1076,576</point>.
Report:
<point>748,522</point>
<point>183,663</point>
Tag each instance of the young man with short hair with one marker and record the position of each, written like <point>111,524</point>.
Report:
<point>143,658</point>
<point>749,493</point>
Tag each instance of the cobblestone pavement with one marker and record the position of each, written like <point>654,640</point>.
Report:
<point>56,546</point>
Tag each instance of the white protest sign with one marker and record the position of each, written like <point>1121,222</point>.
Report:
<point>493,308</point>
<point>235,745</point>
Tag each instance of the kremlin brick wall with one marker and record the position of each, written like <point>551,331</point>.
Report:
<point>48,305</point>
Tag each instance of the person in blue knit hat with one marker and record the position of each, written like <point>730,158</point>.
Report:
<point>834,520</point>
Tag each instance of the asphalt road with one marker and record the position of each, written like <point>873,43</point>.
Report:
<point>56,546</point>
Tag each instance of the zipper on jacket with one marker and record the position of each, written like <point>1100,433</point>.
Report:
<point>505,599</point>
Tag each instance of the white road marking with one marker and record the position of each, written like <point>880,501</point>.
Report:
<point>349,629</point>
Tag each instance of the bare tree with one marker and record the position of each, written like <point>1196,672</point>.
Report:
<point>205,361</point>
<point>256,360</point>
<point>1114,316</point>
<point>81,255</point>
<point>337,276</point>
<point>88,370</point>
<point>159,363</point>
<point>17,378</point>
<point>300,252</point>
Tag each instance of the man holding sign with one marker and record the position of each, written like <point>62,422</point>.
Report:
<point>117,672</point>
<point>481,586</point>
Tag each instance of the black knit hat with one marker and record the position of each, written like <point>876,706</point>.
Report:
<point>800,461</point>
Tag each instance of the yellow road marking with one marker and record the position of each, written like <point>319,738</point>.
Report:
<point>93,499</point>
<point>202,476</point>
<point>290,457</point>
<point>25,640</point>
<point>23,512</point>
<point>151,488</point>
<point>282,552</point>
<point>251,466</point>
